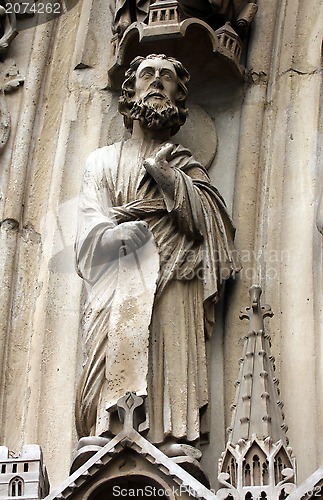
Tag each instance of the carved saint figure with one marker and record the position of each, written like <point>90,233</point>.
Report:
<point>140,190</point>
<point>127,12</point>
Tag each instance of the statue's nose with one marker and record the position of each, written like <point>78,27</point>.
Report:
<point>157,84</point>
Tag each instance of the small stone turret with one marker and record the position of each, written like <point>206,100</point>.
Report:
<point>23,476</point>
<point>257,462</point>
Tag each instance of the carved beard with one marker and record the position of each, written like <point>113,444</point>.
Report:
<point>155,116</point>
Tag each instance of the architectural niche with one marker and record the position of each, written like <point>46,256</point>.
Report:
<point>257,462</point>
<point>24,475</point>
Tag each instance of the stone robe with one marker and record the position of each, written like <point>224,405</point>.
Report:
<point>126,14</point>
<point>194,238</point>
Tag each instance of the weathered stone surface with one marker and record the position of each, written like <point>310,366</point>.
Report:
<point>127,352</point>
<point>267,167</point>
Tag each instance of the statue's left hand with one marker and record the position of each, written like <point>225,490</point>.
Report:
<point>163,154</point>
<point>160,169</point>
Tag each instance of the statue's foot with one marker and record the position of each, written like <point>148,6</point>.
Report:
<point>173,449</point>
<point>86,448</point>
<point>187,456</point>
<point>193,467</point>
<point>93,441</point>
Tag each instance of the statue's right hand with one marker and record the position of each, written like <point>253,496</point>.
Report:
<point>129,235</point>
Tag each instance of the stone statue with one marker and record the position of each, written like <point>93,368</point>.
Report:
<point>215,12</point>
<point>226,10</point>
<point>127,12</point>
<point>147,200</point>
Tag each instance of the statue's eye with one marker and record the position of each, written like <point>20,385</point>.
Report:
<point>147,74</point>
<point>167,76</point>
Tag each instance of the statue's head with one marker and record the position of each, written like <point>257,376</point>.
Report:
<point>154,92</point>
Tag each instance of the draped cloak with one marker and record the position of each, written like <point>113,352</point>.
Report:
<point>140,13</point>
<point>194,238</point>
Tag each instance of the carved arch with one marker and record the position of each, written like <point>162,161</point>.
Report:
<point>16,487</point>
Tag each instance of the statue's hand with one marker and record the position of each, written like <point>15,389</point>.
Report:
<point>129,235</point>
<point>163,154</point>
<point>160,161</point>
<point>160,169</point>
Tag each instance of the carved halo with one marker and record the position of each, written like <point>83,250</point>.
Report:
<point>198,134</point>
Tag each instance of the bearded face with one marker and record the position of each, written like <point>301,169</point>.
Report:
<point>155,114</point>
<point>154,94</point>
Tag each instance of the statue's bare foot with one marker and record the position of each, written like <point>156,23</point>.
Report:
<point>86,448</point>
<point>188,457</point>
<point>92,441</point>
<point>173,449</point>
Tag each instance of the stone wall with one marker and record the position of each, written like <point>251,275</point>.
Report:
<point>267,167</point>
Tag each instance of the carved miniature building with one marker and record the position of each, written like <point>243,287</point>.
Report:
<point>172,29</point>
<point>163,12</point>
<point>130,465</point>
<point>23,476</point>
<point>229,42</point>
<point>257,462</point>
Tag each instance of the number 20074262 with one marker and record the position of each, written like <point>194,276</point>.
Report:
<point>34,8</point>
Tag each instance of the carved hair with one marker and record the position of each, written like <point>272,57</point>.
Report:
<point>128,90</point>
